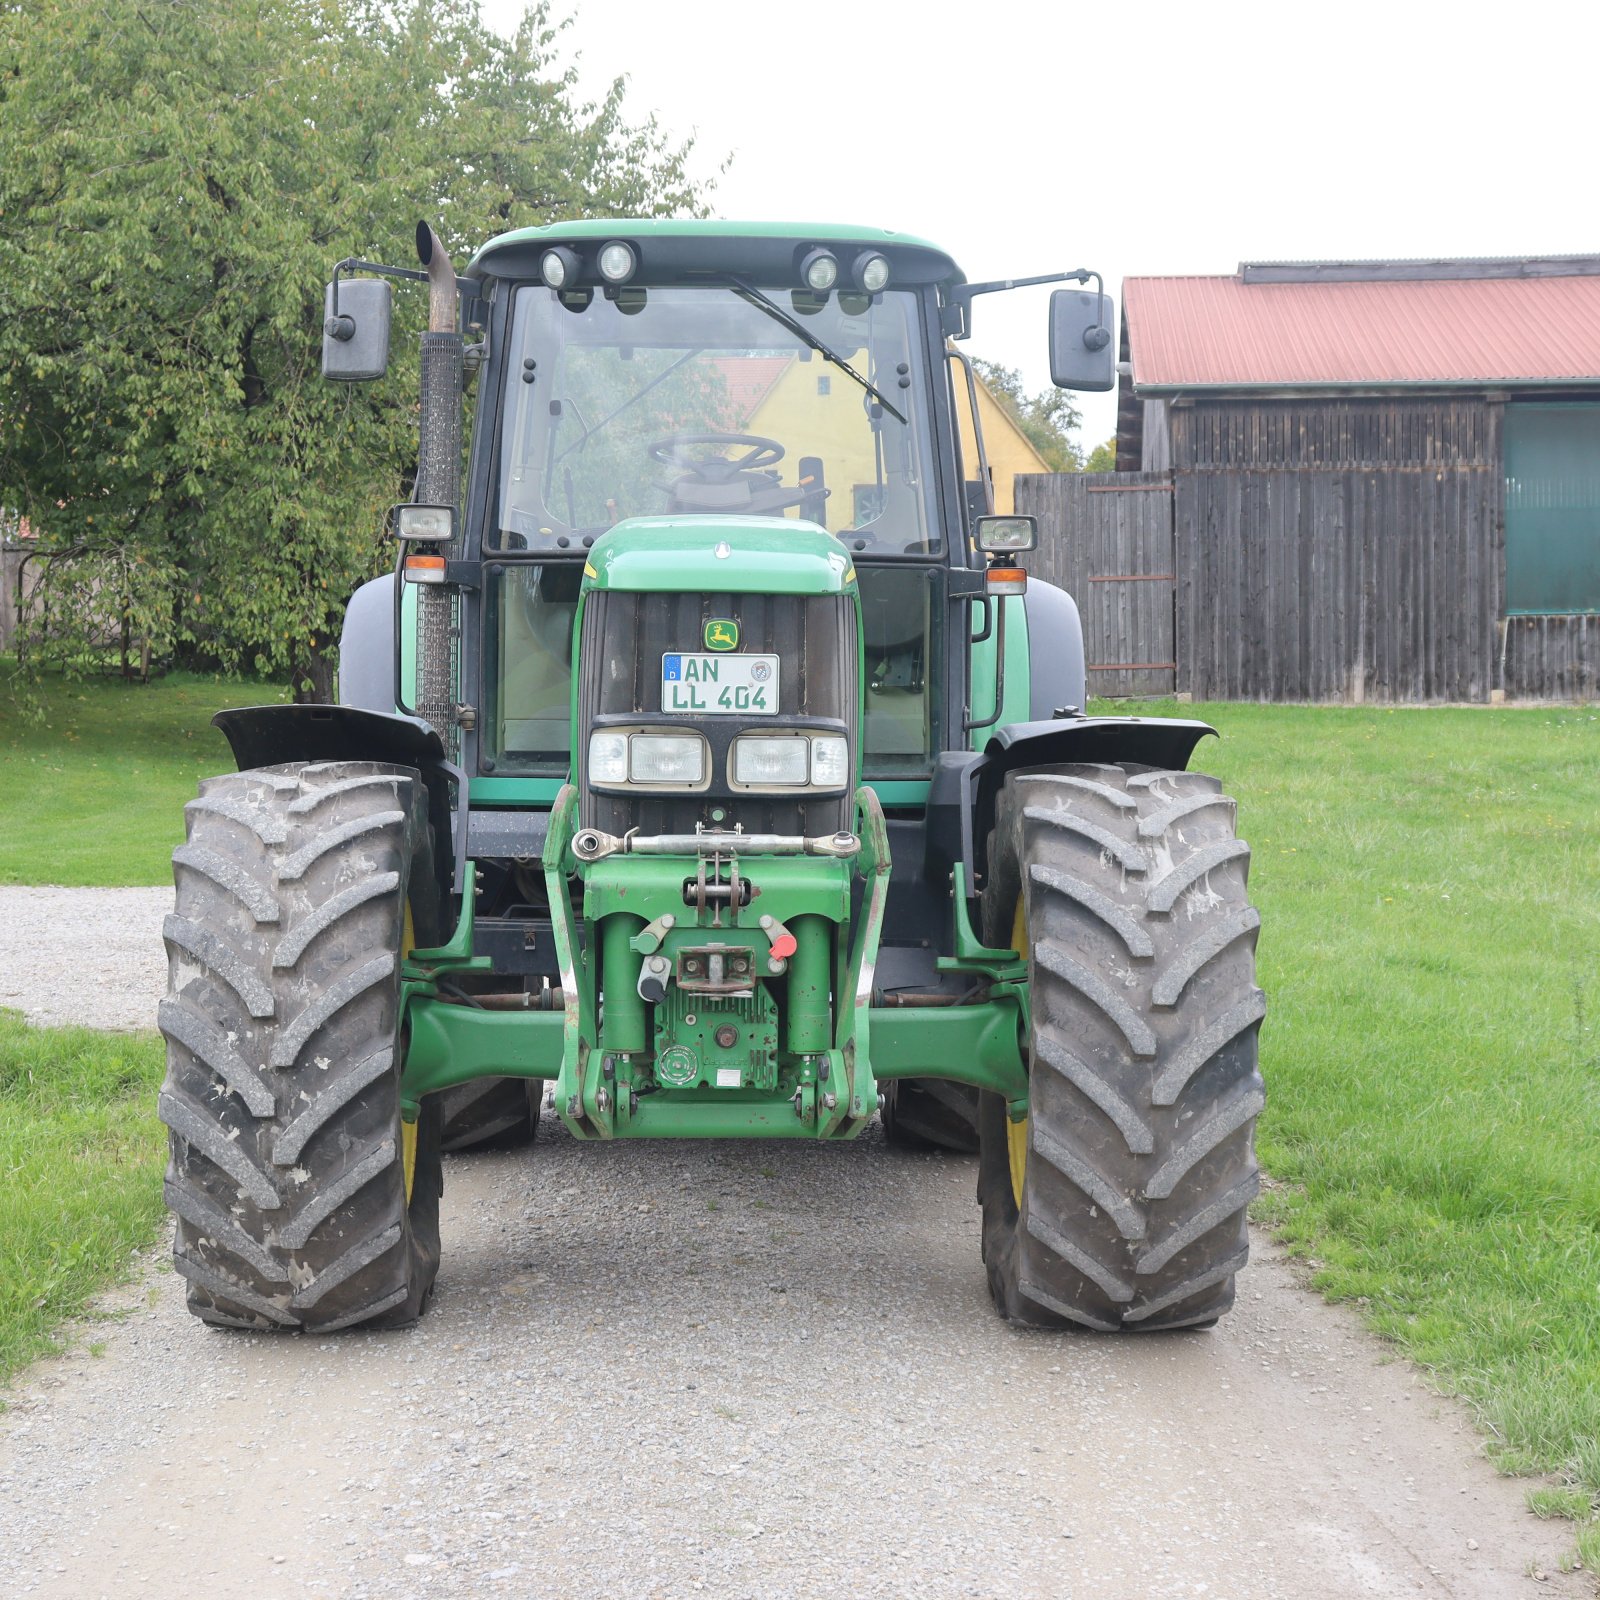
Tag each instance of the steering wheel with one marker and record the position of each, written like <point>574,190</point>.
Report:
<point>759,452</point>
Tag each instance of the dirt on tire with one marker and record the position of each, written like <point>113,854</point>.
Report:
<point>1128,887</point>
<point>302,1199</point>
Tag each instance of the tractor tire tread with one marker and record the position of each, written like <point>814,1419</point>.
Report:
<point>489,1113</point>
<point>931,1114</point>
<point>282,1094</point>
<point>1144,1089</point>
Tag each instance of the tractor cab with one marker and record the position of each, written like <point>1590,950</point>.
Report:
<point>718,387</point>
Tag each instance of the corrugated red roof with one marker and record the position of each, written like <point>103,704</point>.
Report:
<point>1224,333</point>
<point>749,380</point>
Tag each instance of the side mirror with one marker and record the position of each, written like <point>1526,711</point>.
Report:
<point>355,338</point>
<point>1005,535</point>
<point>1081,352</point>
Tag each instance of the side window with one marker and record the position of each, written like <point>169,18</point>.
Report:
<point>531,612</point>
<point>896,610</point>
<point>977,478</point>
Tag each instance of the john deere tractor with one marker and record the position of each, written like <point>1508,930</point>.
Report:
<point>709,767</point>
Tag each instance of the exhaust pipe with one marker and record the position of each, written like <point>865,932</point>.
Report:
<point>439,482</point>
<point>441,280</point>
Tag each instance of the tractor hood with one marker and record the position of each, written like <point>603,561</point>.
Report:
<point>720,555</point>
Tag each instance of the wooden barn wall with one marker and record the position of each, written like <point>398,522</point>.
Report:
<point>1338,549</point>
<point>1551,658</point>
<point>1106,538</point>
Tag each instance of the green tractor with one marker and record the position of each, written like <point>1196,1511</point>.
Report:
<point>710,766</point>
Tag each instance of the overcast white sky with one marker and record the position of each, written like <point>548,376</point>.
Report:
<point>1137,139</point>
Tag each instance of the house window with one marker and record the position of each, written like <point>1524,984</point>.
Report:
<point>825,385</point>
<point>1552,508</point>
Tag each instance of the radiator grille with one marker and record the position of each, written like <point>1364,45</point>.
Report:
<point>625,636</point>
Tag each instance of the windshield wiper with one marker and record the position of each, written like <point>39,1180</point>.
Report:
<point>806,336</point>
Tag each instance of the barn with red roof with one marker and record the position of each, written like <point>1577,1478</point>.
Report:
<point>1385,476</point>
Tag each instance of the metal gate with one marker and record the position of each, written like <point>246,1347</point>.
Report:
<point>1106,538</point>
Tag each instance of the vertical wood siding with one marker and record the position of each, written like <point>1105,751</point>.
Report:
<point>1552,658</point>
<point>1322,549</point>
<point>1338,549</point>
<point>1106,538</point>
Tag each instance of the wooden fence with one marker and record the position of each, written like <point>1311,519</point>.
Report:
<point>1106,538</point>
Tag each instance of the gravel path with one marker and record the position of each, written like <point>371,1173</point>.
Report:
<point>88,956</point>
<point>741,1370</point>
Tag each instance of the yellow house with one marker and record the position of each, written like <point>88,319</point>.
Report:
<point>771,392</point>
<point>1009,449</point>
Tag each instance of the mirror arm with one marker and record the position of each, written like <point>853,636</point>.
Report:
<point>962,296</point>
<point>340,327</point>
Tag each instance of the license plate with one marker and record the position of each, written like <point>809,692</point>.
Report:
<point>720,685</point>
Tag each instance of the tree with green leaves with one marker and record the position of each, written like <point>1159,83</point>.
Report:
<point>1048,418</point>
<point>1103,458</point>
<point>176,179</point>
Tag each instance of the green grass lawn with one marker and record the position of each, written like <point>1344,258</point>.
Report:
<point>1429,883</point>
<point>1429,887</point>
<point>81,1155</point>
<point>94,774</point>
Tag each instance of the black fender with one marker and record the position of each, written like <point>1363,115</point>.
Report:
<point>367,651</point>
<point>966,784</point>
<point>1056,671</point>
<point>267,736</point>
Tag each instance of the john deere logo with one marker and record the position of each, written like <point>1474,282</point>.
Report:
<point>722,634</point>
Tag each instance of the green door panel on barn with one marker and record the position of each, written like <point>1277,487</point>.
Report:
<point>1552,508</point>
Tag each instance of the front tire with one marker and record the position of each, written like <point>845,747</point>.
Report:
<point>489,1113</point>
<point>1123,1203</point>
<point>930,1114</point>
<point>302,1199</point>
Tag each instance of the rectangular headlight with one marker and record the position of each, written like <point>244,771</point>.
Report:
<point>666,758</point>
<point>771,761</point>
<point>424,524</point>
<point>830,763</point>
<point>608,757</point>
<point>1008,535</point>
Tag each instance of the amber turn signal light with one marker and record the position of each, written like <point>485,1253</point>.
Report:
<point>424,569</point>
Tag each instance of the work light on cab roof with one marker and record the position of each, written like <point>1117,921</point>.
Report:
<point>616,261</point>
<point>820,269</point>
<point>871,271</point>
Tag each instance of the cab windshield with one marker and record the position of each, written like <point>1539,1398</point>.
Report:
<point>698,401</point>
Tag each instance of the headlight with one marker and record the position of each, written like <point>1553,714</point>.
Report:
<point>1006,535</point>
<point>608,758</point>
<point>790,761</point>
<point>666,758</point>
<point>423,524</point>
<point>771,761</point>
<point>620,757</point>
<point>830,763</point>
